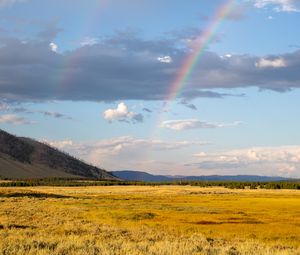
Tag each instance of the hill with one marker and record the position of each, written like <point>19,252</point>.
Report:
<point>26,158</point>
<point>141,176</point>
<point>146,177</point>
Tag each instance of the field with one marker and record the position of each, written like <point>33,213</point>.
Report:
<point>148,220</point>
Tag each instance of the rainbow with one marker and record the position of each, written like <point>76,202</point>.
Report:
<point>189,63</point>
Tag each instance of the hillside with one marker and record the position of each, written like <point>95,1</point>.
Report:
<point>146,177</point>
<point>26,158</point>
<point>141,176</point>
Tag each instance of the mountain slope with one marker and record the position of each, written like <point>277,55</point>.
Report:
<point>146,177</point>
<point>26,158</point>
<point>141,176</point>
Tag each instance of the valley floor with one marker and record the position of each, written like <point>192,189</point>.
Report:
<point>164,220</point>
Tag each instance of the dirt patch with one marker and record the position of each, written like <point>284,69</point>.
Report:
<point>234,220</point>
<point>32,195</point>
<point>206,222</point>
<point>18,226</point>
<point>239,221</point>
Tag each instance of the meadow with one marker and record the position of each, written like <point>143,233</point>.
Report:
<point>162,220</point>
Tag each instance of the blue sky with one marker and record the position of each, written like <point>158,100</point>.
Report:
<point>92,78</point>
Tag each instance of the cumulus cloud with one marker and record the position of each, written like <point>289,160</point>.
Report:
<point>283,161</point>
<point>14,119</point>
<point>122,113</point>
<point>53,47</point>
<point>274,63</point>
<point>279,5</point>
<point>125,67</point>
<point>179,125</point>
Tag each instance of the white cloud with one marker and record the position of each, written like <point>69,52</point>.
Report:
<point>153,155</point>
<point>13,119</point>
<point>59,144</point>
<point>122,113</point>
<point>226,56</point>
<point>179,125</point>
<point>279,5</point>
<point>88,41</point>
<point>283,161</point>
<point>53,47</point>
<point>125,152</point>
<point>165,59</point>
<point>274,63</point>
<point>117,144</point>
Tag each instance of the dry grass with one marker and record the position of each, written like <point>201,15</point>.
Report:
<point>148,220</point>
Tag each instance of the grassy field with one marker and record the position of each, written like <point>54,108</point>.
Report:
<point>148,220</point>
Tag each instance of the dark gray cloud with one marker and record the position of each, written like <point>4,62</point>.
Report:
<point>55,115</point>
<point>52,114</point>
<point>13,107</point>
<point>195,93</point>
<point>147,110</point>
<point>188,104</point>
<point>138,117</point>
<point>20,110</point>
<point>125,67</point>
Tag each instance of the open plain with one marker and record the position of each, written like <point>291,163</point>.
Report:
<point>162,220</point>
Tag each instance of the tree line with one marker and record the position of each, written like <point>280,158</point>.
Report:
<point>92,182</point>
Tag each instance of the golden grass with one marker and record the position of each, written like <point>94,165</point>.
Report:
<point>148,220</point>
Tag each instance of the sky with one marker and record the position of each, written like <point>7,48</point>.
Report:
<point>168,87</point>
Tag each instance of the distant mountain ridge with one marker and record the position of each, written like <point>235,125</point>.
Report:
<point>146,177</point>
<point>27,158</point>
